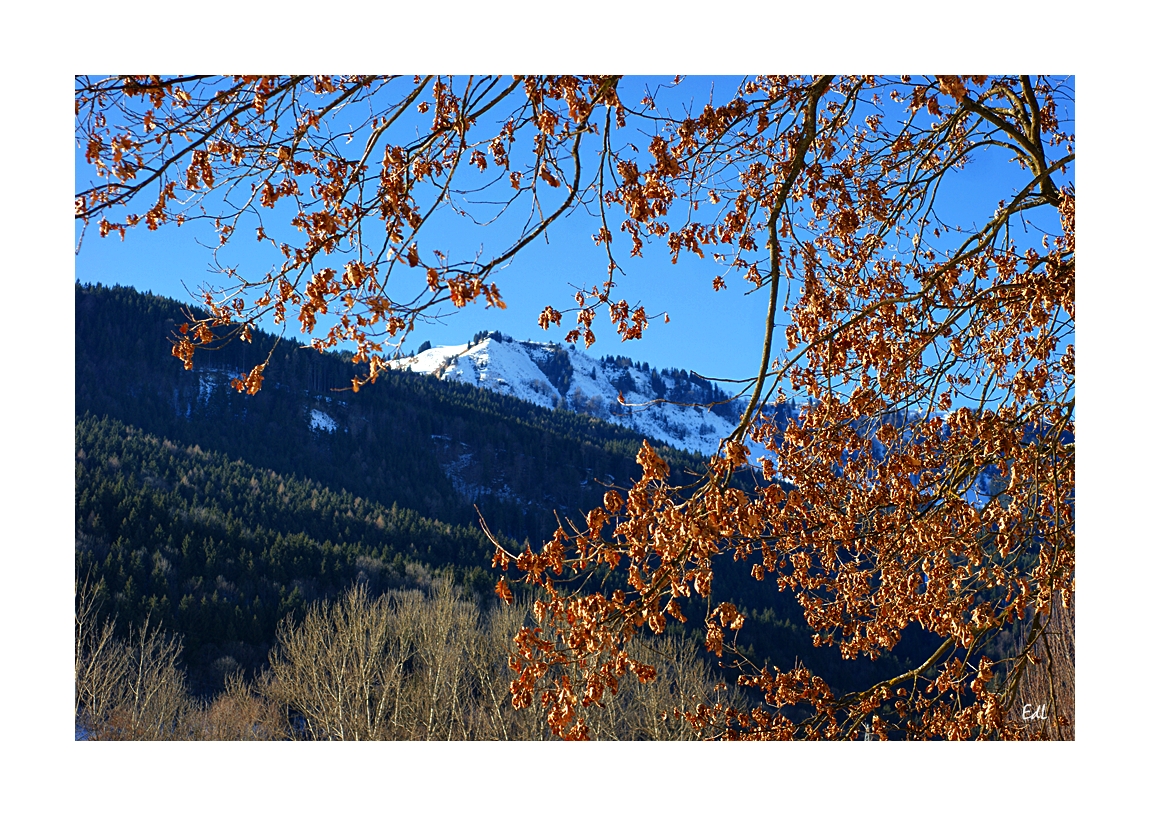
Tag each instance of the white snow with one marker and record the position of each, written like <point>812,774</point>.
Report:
<point>511,367</point>
<point>322,422</point>
<point>207,386</point>
<point>211,378</point>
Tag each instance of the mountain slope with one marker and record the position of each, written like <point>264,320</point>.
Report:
<point>216,513</point>
<point>673,407</point>
<point>436,447</point>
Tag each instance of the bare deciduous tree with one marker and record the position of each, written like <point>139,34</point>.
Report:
<point>1039,692</point>
<point>132,688</point>
<point>414,666</point>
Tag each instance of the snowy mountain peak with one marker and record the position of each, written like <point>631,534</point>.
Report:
<point>673,407</point>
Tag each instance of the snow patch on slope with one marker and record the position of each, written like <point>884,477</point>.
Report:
<point>322,422</point>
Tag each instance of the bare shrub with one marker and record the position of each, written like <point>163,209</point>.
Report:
<point>333,669</point>
<point>411,665</point>
<point>100,661</point>
<point>242,712</point>
<point>129,689</point>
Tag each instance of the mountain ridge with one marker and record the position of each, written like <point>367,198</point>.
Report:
<point>673,406</point>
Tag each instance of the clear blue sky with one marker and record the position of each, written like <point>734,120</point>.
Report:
<point>718,334</point>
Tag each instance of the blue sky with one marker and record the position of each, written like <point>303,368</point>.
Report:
<point>718,334</point>
<point>715,333</point>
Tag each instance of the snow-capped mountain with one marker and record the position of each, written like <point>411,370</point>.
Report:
<point>673,407</point>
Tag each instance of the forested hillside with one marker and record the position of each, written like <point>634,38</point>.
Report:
<point>221,551</point>
<point>218,514</point>
<point>406,440</point>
